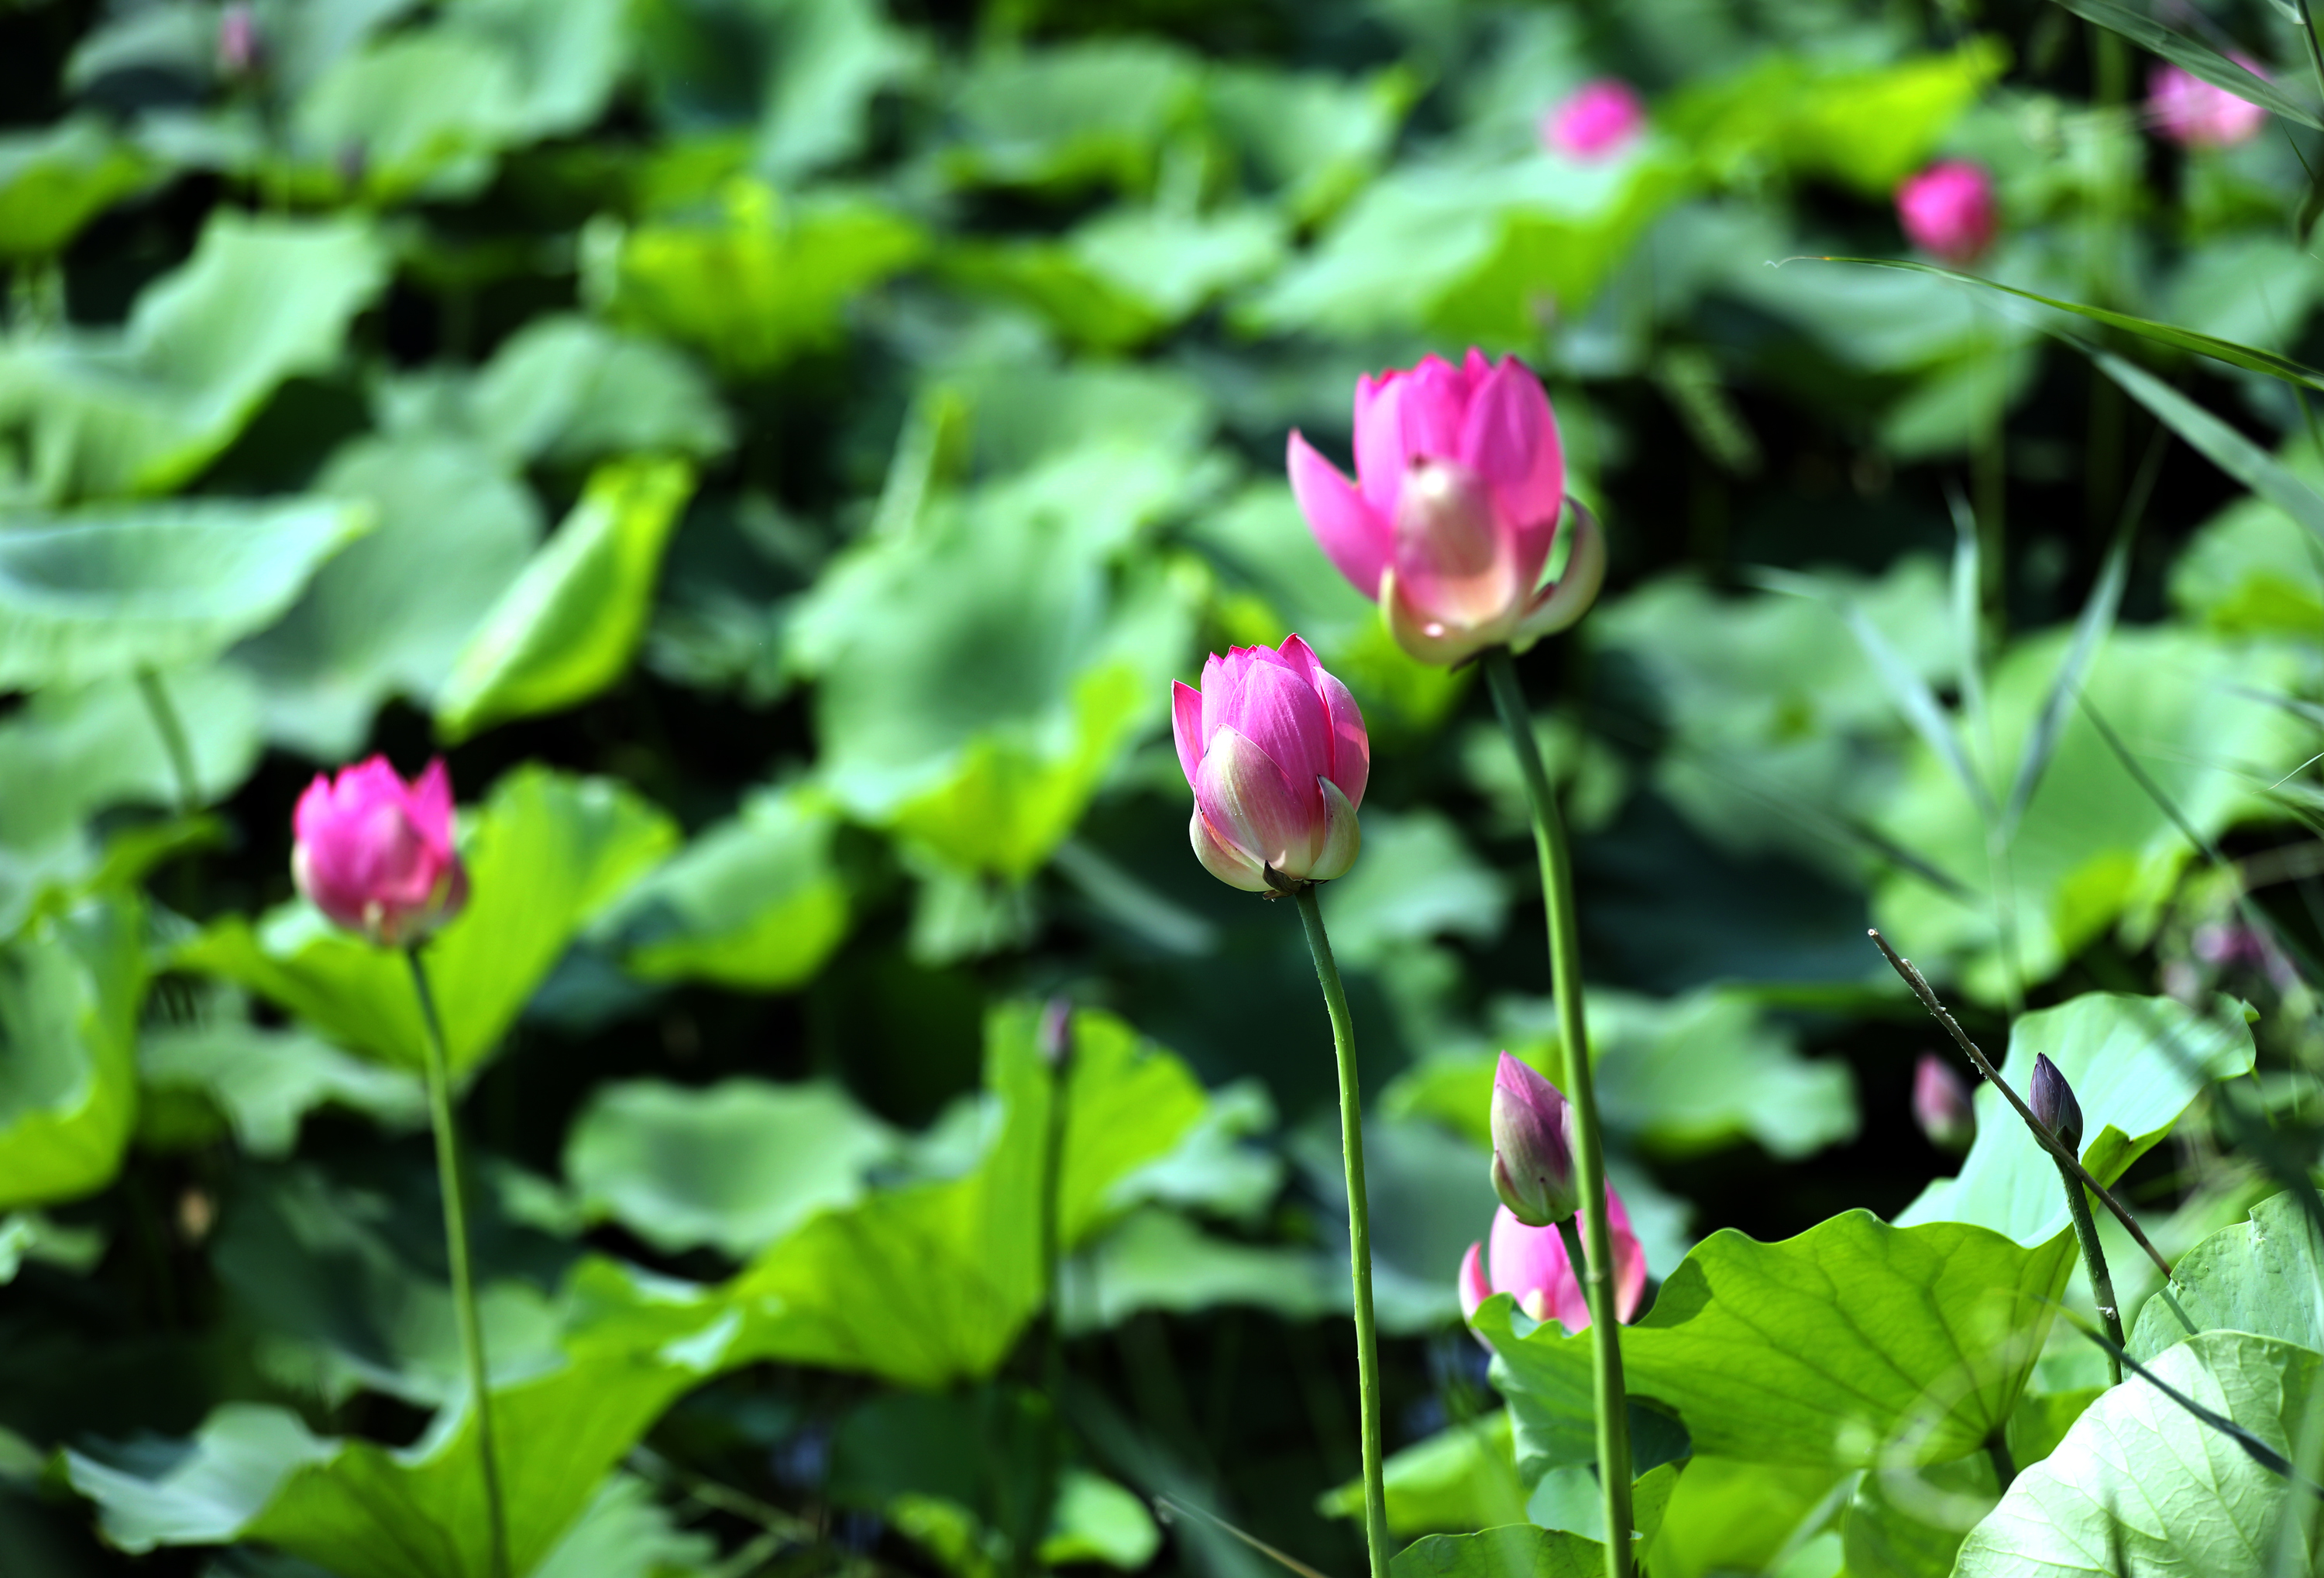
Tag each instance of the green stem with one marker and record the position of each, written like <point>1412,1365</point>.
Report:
<point>172,730</point>
<point>2086,1233</point>
<point>1590,1149</point>
<point>456,1250</point>
<point>1360,1228</point>
<point>2005,1467</point>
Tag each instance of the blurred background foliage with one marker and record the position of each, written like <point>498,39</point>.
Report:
<point>780,450</point>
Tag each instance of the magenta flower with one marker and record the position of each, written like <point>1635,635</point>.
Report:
<point>1948,210</point>
<point>375,854</point>
<point>1533,1155</point>
<point>1941,1105</point>
<point>1277,755</point>
<point>237,41</point>
<point>2195,114</point>
<point>1595,121</point>
<point>1460,484</point>
<point>1530,1262</point>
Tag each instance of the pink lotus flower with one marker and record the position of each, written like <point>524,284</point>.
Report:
<point>375,854</point>
<point>1533,1155</point>
<point>2195,114</point>
<point>1277,755</point>
<point>1596,121</point>
<point>1941,1105</point>
<point>1530,1262</point>
<point>1460,482</point>
<point>1948,210</point>
<point>237,41</point>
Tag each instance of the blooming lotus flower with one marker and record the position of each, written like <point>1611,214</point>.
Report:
<point>1277,755</point>
<point>1596,121</point>
<point>1530,1262</point>
<point>1948,210</point>
<point>1460,484</point>
<point>1941,1105</point>
<point>375,854</point>
<point>2196,113</point>
<point>1532,1156</point>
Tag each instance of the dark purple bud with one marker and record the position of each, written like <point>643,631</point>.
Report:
<point>2053,1104</point>
<point>1941,1105</point>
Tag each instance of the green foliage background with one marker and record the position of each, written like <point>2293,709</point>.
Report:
<point>780,451</point>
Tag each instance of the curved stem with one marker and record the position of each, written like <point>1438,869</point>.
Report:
<point>1360,1228</point>
<point>456,1250</point>
<point>1590,1149</point>
<point>2094,1261</point>
<point>172,730</point>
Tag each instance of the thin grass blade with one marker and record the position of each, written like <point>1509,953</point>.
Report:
<point>2090,631</point>
<point>2220,443</point>
<point>2194,56</point>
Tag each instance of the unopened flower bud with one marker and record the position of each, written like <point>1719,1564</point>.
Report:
<point>1533,1152</point>
<point>375,854</point>
<point>1055,1040</point>
<point>2053,1104</point>
<point>1941,1106</point>
<point>237,41</point>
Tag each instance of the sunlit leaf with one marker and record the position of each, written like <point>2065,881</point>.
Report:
<point>2265,1275</point>
<point>71,988</point>
<point>54,180</point>
<point>266,1080</point>
<point>1516,1550</point>
<point>1070,115</point>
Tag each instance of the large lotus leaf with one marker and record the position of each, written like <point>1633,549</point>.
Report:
<point>1311,137</point>
<point>1417,880</point>
<point>2094,848</point>
<point>625,1533</point>
<point>2251,568</point>
<point>1473,250</point>
<point>143,408</point>
<point>2142,1488</point>
<point>1779,728</point>
<point>54,180</point>
<point>2136,1063</point>
<point>932,1283</point>
<point>981,677</point>
<point>734,1165</point>
<point>73,751</point>
<point>1866,126</point>
<point>1765,1352</point>
<point>567,626</point>
<point>1679,1075</point>
<point>566,390</point>
<point>1072,115</point>
<point>2265,1275</point>
<point>545,855</point>
<point>565,56</point>
<point>255,1473</point>
<point>753,282</point>
<point>263,1081</point>
<point>1737,1515</point>
<point>70,985</point>
<point>1462,1478</point>
<point>1123,277</point>
<point>754,903</point>
<point>1514,1551</point>
<point>1159,1260</point>
<point>1908,1522</point>
<point>158,585</point>
<point>391,615</point>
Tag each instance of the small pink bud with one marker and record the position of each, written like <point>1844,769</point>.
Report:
<point>1941,1105</point>
<point>1530,1263</point>
<point>237,41</point>
<point>1277,755</point>
<point>1596,121</point>
<point>1055,1038</point>
<point>1532,1156</point>
<point>375,854</point>
<point>1948,210</point>
<point>1460,487</point>
<point>2053,1104</point>
<point>2194,114</point>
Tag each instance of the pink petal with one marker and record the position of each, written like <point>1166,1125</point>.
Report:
<point>430,804</point>
<point>1351,747</point>
<point>1380,456</point>
<point>1276,709</point>
<point>1353,536</point>
<point>1215,682</point>
<point>1249,804</point>
<point>1509,438</point>
<point>1235,867</point>
<point>1187,727</point>
<point>1474,1288</point>
<point>313,808</point>
<point>1435,399</point>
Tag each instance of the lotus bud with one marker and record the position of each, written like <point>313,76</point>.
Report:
<point>1948,210</point>
<point>1055,1038</point>
<point>2053,1104</point>
<point>1941,1106</point>
<point>375,854</point>
<point>237,41</point>
<point>1597,121</point>
<point>1459,493</point>
<point>1533,1155</point>
<point>2196,113</point>
<point>1530,1263</point>
<point>1277,755</point>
